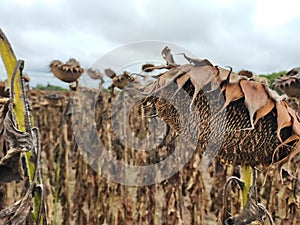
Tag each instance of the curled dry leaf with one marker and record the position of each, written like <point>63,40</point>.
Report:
<point>196,62</point>
<point>166,54</point>
<point>16,142</point>
<point>252,213</point>
<point>264,110</point>
<point>233,92</point>
<point>295,120</point>
<point>200,77</point>
<point>225,212</point>
<point>16,139</point>
<point>255,97</point>
<point>10,210</point>
<point>283,117</point>
<point>22,209</point>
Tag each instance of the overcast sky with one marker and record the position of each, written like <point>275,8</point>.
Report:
<point>258,35</point>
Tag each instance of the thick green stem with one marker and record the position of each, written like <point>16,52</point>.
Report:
<point>10,62</point>
<point>246,177</point>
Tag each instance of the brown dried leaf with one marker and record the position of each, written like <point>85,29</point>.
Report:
<point>255,97</point>
<point>166,54</point>
<point>223,73</point>
<point>16,138</point>
<point>273,94</point>
<point>235,78</point>
<point>215,83</point>
<point>10,210</point>
<point>295,120</point>
<point>17,141</point>
<point>294,152</point>
<point>233,92</point>
<point>23,210</point>
<point>197,62</point>
<point>170,76</point>
<point>8,174</point>
<point>264,110</point>
<point>3,112</point>
<point>253,213</point>
<point>10,154</point>
<point>279,164</point>
<point>285,221</point>
<point>283,117</point>
<point>181,81</point>
<point>200,76</point>
<point>287,141</point>
<point>176,72</point>
<point>161,82</point>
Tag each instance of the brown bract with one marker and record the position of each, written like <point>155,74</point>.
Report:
<point>256,119</point>
<point>67,72</point>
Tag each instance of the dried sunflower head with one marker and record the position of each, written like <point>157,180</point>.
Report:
<point>289,83</point>
<point>247,123</point>
<point>67,72</point>
<point>121,81</point>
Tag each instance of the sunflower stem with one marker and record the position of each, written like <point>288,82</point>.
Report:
<point>19,108</point>
<point>246,177</point>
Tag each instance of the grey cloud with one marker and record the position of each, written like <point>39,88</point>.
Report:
<point>224,33</point>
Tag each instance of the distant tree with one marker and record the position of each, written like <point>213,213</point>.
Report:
<point>272,77</point>
<point>49,87</point>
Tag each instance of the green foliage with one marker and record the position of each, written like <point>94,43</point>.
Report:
<point>49,88</point>
<point>272,76</point>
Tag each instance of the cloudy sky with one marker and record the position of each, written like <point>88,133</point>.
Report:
<point>259,35</point>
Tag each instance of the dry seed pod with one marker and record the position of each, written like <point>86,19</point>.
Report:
<point>148,67</point>
<point>290,83</point>
<point>122,80</point>
<point>110,73</point>
<point>246,73</point>
<point>95,74</point>
<point>68,72</point>
<point>253,120</point>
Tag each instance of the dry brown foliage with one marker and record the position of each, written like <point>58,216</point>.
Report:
<point>258,123</point>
